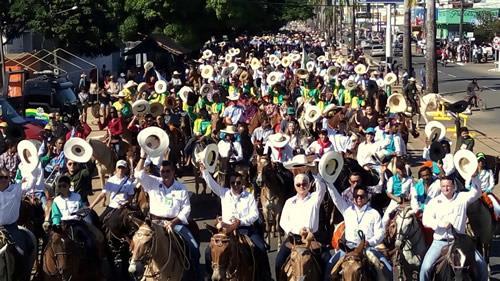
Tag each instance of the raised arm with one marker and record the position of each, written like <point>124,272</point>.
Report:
<point>337,199</point>
<point>212,184</point>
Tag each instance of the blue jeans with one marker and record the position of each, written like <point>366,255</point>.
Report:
<point>194,252</point>
<point>434,252</point>
<point>335,258</point>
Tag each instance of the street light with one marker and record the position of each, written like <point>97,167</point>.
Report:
<point>67,10</point>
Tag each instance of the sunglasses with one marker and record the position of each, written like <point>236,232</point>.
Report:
<point>356,196</point>
<point>236,183</point>
<point>301,184</point>
<point>71,164</point>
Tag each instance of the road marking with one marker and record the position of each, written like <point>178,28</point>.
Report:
<point>461,64</point>
<point>451,75</point>
<point>491,89</point>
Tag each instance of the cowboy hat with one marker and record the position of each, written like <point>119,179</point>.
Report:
<point>183,93</point>
<point>273,58</point>
<point>160,86</point>
<point>226,71</point>
<point>310,66</point>
<point>206,89</point>
<point>321,58</point>
<point>436,151</point>
<point>207,54</point>
<point>129,84</point>
<point>396,103</point>
<point>349,84</point>
<point>277,63</point>
<point>302,73</point>
<point>286,61</point>
<point>78,150</point>
<point>341,61</point>
<point>234,96</point>
<point>380,83</point>
<point>312,114</point>
<point>390,78</point>
<point>153,140</point>
<point>234,51</point>
<point>329,108</point>
<point>230,129</point>
<point>295,57</point>
<point>330,165</point>
<point>278,140</point>
<point>209,157</point>
<point>234,68</point>
<point>207,71</point>
<point>298,161</point>
<point>244,76</point>
<point>465,162</point>
<point>121,94</point>
<point>28,152</point>
<point>435,131</point>
<point>142,87</point>
<point>255,63</point>
<point>156,109</point>
<point>360,69</point>
<point>392,165</point>
<point>331,71</point>
<point>312,56</point>
<point>140,107</point>
<point>273,78</point>
<point>148,65</point>
<point>228,58</point>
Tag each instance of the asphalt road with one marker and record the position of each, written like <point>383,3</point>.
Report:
<point>452,78</point>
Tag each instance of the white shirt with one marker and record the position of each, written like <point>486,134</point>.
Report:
<point>365,152</point>
<point>286,153</point>
<point>167,202</point>
<point>433,191</point>
<point>340,142</point>
<point>121,190</point>
<point>406,185</point>
<point>487,180</point>
<point>379,133</point>
<point>68,206</point>
<point>399,145</point>
<point>242,207</point>
<point>10,201</point>
<point>440,209</point>
<point>34,181</point>
<point>315,148</point>
<point>234,112</point>
<point>224,148</point>
<point>365,218</point>
<point>299,213</point>
<point>261,134</point>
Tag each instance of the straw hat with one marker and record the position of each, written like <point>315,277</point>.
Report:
<point>278,140</point>
<point>390,78</point>
<point>466,163</point>
<point>226,71</point>
<point>207,71</point>
<point>78,150</point>
<point>153,140</point>
<point>207,54</point>
<point>28,153</point>
<point>160,86</point>
<point>396,103</point>
<point>183,93</point>
<point>206,89</point>
<point>148,65</point>
<point>295,57</point>
<point>302,73</point>
<point>129,84</point>
<point>360,69</point>
<point>298,161</point>
<point>244,76</point>
<point>255,63</point>
<point>140,107</point>
<point>312,114</point>
<point>349,84</point>
<point>142,87</point>
<point>286,61</point>
<point>435,130</point>
<point>331,71</point>
<point>273,59</point>
<point>156,109</point>
<point>234,51</point>
<point>273,78</point>
<point>230,129</point>
<point>380,83</point>
<point>310,66</point>
<point>228,58</point>
<point>321,58</point>
<point>209,157</point>
<point>330,165</point>
<point>329,108</point>
<point>234,97</point>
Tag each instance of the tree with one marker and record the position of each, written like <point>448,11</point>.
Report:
<point>15,15</point>
<point>431,75</point>
<point>296,10</point>
<point>486,26</point>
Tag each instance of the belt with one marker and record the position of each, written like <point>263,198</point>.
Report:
<point>154,217</point>
<point>447,240</point>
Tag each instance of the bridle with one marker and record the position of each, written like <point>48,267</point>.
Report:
<point>219,240</point>
<point>55,255</point>
<point>404,236</point>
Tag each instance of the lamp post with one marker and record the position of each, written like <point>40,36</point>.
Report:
<point>2,61</point>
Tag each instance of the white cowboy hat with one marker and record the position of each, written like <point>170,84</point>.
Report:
<point>160,86</point>
<point>278,140</point>
<point>321,58</point>
<point>78,150</point>
<point>465,162</point>
<point>153,140</point>
<point>310,66</point>
<point>121,94</point>
<point>435,127</point>
<point>396,103</point>
<point>331,71</point>
<point>298,161</point>
<point>390,78</point>
<point>330,165</point>
<point>273,58</point>
<point>140,107</point>
<point>234,51</point>
<point>234,96</point>
<point>234,68</point>
<point>207,54</point>
<point>295,57</point>
<point>329,108</point>
<point>142,87</point>
<point>148,65</point>
<point>207,71</point>
<point>273,78</point>
<point>349,84</point>
<point>129,84</point>
<point>360,69</point>
<point>183,93</point>
<point>312,114</point>
<point>302,73</point>
<point>255,63</point>
<point>228,58</point>
<point>28,152</point>
<point>380,83</point>
<point>230,129</point>
<point>206,89</point>
<point>156,109</point>
<point>209,157</point>
<point>286,61</point>
<point>226,71</point>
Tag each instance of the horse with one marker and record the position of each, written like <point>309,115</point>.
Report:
<point>156,254</point>
<point>32,216</point>
<point>481,227</point>
<point>275,189</point>
<point>105,159</point>
<point>64,259</point>
<point>232,257</point>
<point>456,260</point>
<point>405,235</point>
<point>15,265</point>
<point>302,265</point>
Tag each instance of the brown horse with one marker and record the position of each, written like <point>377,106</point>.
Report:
<point>31,216</point>
<point>13,264</point>
<point>157,255</point>
<point>353,266</point>
<point>63,260</point>
<point>232,257</point>
<point>302,265</point>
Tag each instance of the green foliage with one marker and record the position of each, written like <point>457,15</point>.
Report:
<point>295,10</point>
<point>485,29</point>
<point>16,15</point>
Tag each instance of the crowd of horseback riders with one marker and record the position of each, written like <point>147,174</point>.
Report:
<point>298,139</point>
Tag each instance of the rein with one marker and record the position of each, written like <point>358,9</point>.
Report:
<point>219,239</point>
<point>55,255</point>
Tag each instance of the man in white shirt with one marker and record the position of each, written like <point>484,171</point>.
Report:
<point>10,201</point>
<point>261,134</point>
<point>239,211</point>
<point>449,209</point>
<point>169,206</point>
<point>359,216</point>
<point>300,213</point>
<point>367,148</point>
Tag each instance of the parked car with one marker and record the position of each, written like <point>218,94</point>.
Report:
<point>377,51</point>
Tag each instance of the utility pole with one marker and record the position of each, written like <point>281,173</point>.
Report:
<point>431,74</point>
<point>2,61</point>
<point>334,22</point>
<point>353,26</point>
<point>461,25</point>
<point>388,34</point>
<point>407,60</point>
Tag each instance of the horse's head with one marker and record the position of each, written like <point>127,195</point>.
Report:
<point>406,225</point>
<point>141,247</point>
<point>221,246</point>
<point>59,256</point>
<point>262,162</point>
<point>301,263</point>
